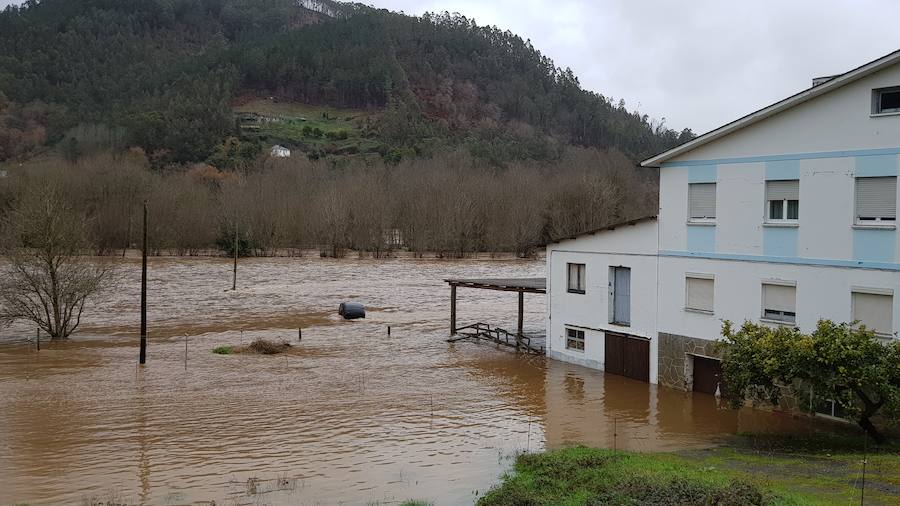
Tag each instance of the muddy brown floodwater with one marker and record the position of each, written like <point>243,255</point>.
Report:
<point>351,416</point>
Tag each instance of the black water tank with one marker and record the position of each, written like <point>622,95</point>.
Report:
<point>352,310</point>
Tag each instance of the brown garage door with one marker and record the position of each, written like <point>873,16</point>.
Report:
<point>627,356</point>
<point>707,374</point>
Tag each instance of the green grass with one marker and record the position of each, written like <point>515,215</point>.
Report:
<point>223,350</point>
<point>581,476</point>
<point>773,470</point>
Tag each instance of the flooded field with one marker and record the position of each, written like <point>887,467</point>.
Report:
<point>350,416</point>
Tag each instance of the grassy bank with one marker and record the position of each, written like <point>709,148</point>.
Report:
<point>752,470</point>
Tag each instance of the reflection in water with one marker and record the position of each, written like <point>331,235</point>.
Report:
<point>350,415</point>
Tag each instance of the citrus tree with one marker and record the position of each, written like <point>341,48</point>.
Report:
<point>843,362</point>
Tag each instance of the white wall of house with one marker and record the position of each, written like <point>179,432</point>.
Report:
<point>825,230</point>
<point>821,292</point>
<point>838,120</point>
<point>830,142</point>
<point>632,246</point>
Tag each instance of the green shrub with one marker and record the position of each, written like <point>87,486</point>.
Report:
<point>223,350</point>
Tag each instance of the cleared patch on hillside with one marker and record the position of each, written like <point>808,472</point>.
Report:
<point>312,129</point>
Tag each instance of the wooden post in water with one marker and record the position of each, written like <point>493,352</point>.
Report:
<point>299,334</point>
<point>521,310</point>
<point>234,279</point>
<point>452,310</point>
<point>38,338</point>
<point>143,356</point>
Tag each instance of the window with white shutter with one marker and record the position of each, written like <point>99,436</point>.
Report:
<point>699,290</point>
<point>779,302</point>
<point>874,310</point>
<point>783,199</point>
<point>876,200</point>
<point>702,201</point>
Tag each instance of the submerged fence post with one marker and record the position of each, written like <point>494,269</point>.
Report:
<point>615,434</point>
<point>862,492</point>
<point>452,310</point>
<point>143,356</point>
<point>299,334</point>
<point>234,278</point>
<point>38,338</point>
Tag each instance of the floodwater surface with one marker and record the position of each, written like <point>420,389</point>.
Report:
<point>350,416</point>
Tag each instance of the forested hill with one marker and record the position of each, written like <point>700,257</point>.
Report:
<point>165,75</point>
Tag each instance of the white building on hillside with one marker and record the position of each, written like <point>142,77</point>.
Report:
<point>785,216</point>
<point>279,151</point>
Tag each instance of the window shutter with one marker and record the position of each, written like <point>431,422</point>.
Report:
<point>874,311</point>
<point>699,294</point>
<point>783,190</point>
<point>702,200</point>
<point>876,197</point>
<point>581,274</point>
<point>780,298</point>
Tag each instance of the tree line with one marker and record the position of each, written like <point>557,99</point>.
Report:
<point>450,205</point>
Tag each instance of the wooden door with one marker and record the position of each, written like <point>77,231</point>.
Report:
<point>614,354</point>
<point>637,359</point>
<point>707,374</point>
<point>627,356</point>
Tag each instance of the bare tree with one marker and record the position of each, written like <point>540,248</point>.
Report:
<point>45,279</point>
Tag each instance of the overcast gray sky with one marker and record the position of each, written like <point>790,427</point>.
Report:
<point>697,63</point>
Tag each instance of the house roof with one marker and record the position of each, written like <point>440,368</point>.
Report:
<point>794,100</point>
<point>603,229</point>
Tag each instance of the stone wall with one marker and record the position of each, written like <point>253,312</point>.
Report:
<point>674,366</point>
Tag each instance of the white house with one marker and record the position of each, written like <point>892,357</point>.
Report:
<point>784,216</point>
<point>279,151</point>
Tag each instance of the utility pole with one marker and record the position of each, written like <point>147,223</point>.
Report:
<point>234,279</point>
<point>143,358</point>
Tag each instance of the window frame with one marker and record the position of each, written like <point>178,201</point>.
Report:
<point>703,220</point>
<point>836,411</point>
<point>884,292</point>
<point>580,279</point>
<point>877,110</point>
<point>577,337</point>
<point>779,317</point>
<point>702,277</point>
<point>878,221</point>
<point>785,206</point>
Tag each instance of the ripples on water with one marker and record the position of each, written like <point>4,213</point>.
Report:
<point>351,416</point>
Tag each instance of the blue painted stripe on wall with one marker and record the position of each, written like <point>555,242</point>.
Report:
<point>782,169</point>
<point>874,245</point>
<point>701,238</point>
<point>873,166</point>
<point>818,262</point>
<point>793,156</point>
<point>780,242</point>
<point>702,174</point>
